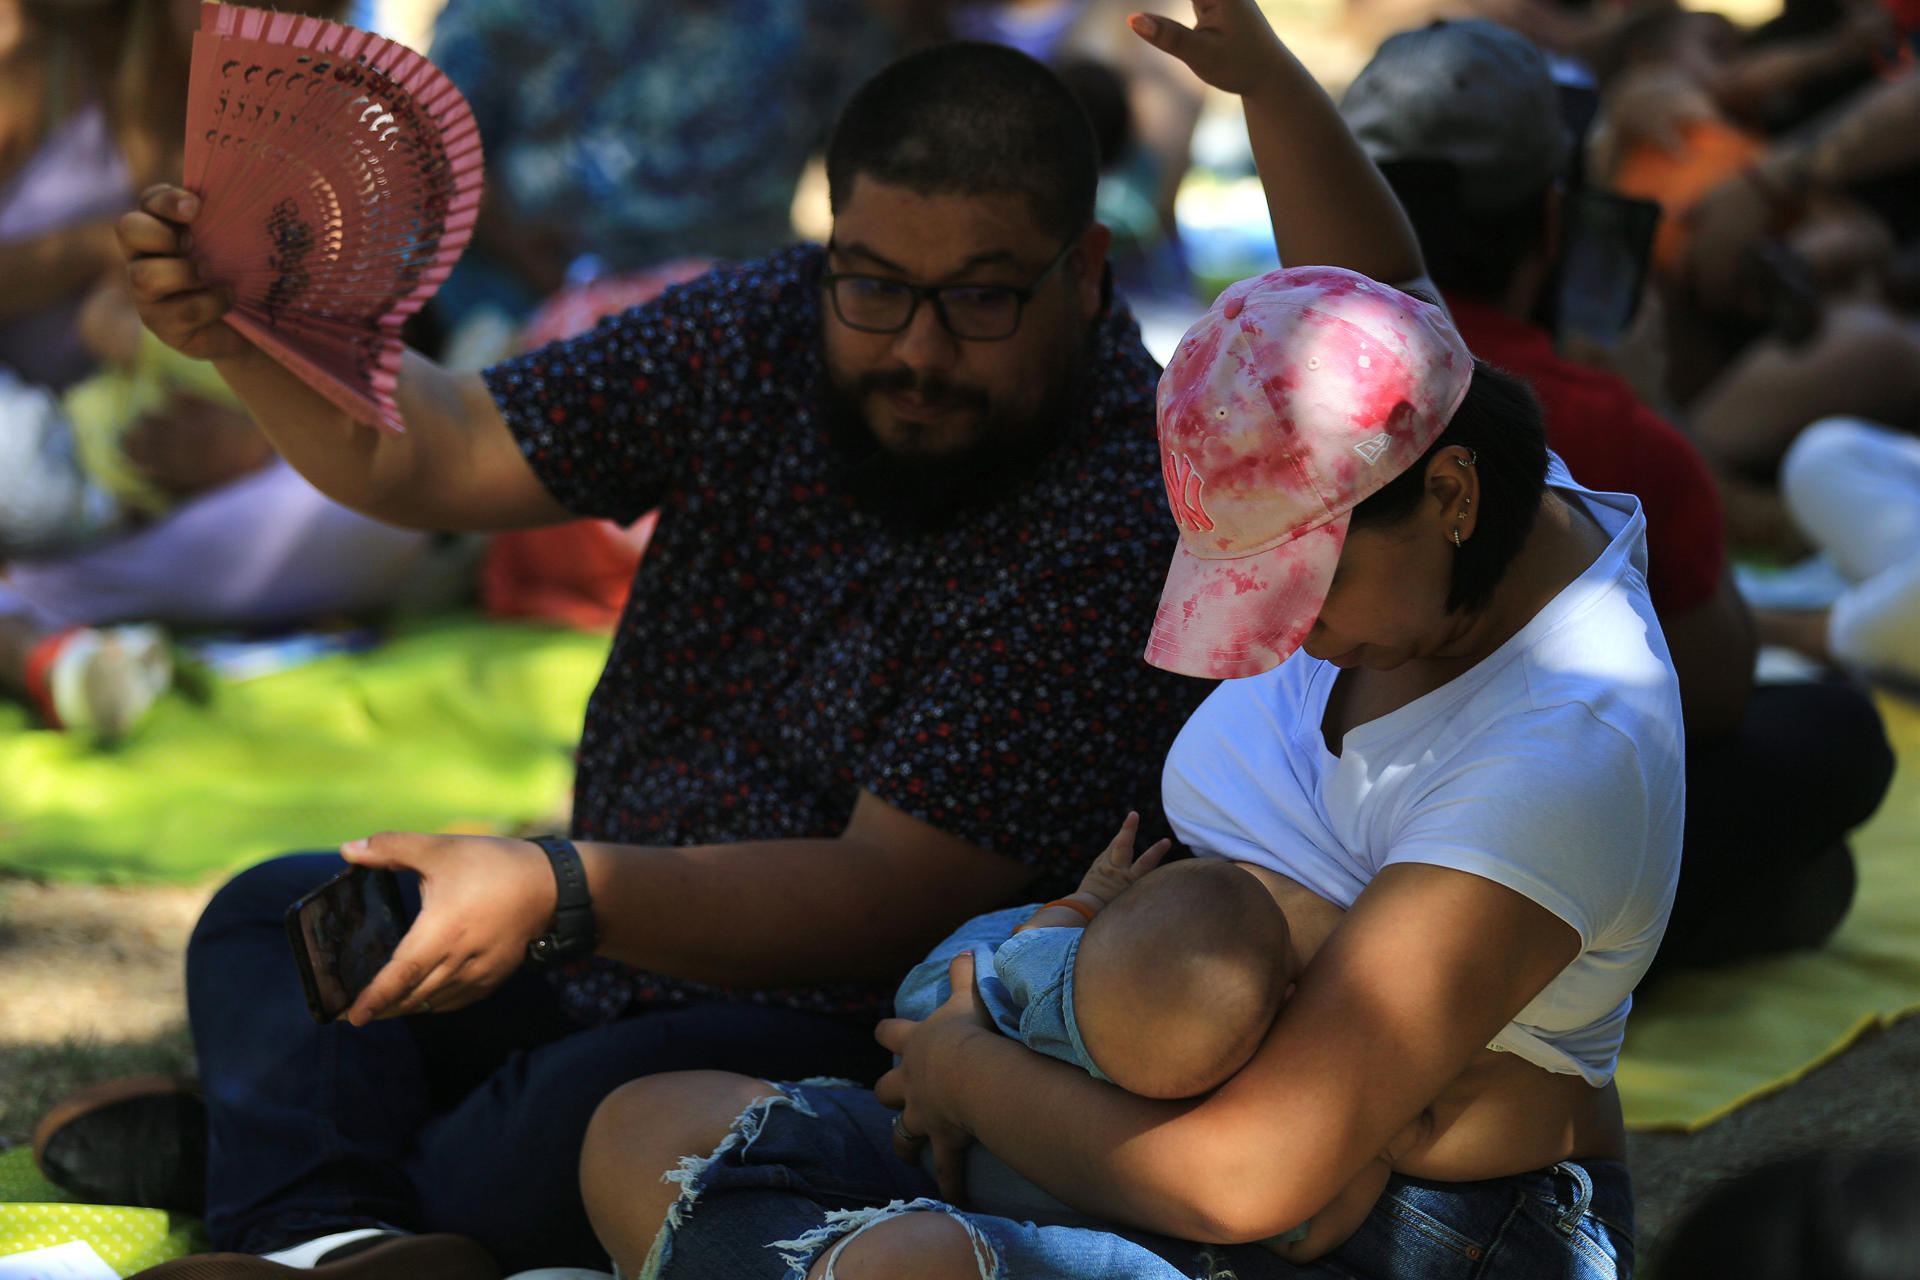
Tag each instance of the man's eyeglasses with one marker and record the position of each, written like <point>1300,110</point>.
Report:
<point>974,312</point>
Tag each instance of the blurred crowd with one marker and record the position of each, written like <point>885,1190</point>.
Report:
<point>1698,240</point>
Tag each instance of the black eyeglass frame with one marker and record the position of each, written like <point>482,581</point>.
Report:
<point>916,293</point>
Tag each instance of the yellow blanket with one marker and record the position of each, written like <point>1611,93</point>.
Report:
<point>1701,1045</point>
<point>35,1214</point>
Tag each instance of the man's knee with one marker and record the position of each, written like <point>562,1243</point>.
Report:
<point>927,1245</point>
<point>262,893</point>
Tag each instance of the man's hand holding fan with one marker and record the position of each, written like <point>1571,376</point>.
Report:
<point>332,178</point>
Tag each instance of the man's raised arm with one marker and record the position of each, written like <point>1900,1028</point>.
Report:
<point>457,466</point>
<point>1329,205</point>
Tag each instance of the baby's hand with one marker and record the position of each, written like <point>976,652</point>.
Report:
<point>1116,869</point>
<point>1110,875</point>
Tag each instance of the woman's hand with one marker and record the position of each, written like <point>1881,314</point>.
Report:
<point>926,1050</point>
<point>482,899</point>
<point>167,290</point>
<point>1230,45</point>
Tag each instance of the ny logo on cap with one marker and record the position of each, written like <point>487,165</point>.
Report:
<point>1183,492</point>
<point>1371,449</point>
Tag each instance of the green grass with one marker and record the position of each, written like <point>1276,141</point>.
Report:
<point>34,1077</point>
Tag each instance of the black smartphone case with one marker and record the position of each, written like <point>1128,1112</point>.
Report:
<point>349,882</point>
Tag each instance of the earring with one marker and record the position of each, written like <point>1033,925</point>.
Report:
<point>1472,459</point>
<point>1456,537</point>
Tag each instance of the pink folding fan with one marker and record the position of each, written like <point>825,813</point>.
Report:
<point>339,178</point>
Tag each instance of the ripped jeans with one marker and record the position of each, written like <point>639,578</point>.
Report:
<point>801,1175</point>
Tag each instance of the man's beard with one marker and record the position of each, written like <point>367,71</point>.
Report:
<point>923,492</point>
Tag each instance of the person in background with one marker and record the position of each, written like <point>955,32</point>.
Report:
<point>623,135</point>
<point>1463,119</point>
<point>92,109</point>
<point>1853,488</point>
<point>134,492</point>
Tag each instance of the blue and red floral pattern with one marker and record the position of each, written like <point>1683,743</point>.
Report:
<point>784,650</point>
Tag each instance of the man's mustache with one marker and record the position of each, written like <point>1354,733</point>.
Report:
<point>936,389</point>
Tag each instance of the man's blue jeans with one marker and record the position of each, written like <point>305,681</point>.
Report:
<point>469,1122</point>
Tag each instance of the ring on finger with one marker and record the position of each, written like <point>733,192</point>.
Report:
<point>425,1006</point>
<point>905,1134</point>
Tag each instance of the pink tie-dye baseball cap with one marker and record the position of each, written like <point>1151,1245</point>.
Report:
<point>1297,395</point>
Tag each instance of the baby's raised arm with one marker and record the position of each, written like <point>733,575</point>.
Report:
<point>1112,873</point>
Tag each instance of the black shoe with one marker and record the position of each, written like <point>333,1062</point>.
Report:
<point>392,1256</point>
<point>138,1140</point>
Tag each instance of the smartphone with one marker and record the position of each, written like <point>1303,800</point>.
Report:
<point>1603,268</point>
<point>343,933</point>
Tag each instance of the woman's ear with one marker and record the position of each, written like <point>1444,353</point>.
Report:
<point>1453,484</point>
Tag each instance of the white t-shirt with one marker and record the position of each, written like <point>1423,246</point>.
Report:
<point>1555,767</point>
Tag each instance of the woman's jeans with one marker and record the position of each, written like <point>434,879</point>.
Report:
<point>800,1175</point>
<point>469,1122</point>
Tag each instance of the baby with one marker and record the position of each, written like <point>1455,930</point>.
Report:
<point>1163,984</point>
<point>1166,984</point>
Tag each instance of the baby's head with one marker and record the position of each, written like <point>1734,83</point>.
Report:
<point>1177,982</point>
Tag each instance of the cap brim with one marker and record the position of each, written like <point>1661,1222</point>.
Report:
<point>1227,618</point>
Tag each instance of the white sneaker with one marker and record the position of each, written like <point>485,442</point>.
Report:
<point>320,1250</point>
<point>103,679</point>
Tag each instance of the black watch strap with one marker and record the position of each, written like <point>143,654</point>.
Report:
<point>572,933</point>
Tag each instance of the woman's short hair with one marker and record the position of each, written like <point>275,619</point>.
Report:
<point>1500,421</point>
<point>970,118</point>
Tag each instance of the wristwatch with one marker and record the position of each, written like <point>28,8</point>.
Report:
<point>572,933</point>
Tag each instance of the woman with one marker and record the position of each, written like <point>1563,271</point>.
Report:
<point>92,108</point>
<point>1475,749</point>
<point>139,494</point>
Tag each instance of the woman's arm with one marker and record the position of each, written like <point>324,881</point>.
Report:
<point>1342,1215</point>
<point>1427,968</point>
<point>1329,205</point>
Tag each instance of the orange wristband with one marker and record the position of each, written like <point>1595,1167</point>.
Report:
<point>1070,905</point>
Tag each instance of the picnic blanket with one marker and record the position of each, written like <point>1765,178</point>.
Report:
<point>453,723</point>
<point>464,724</point>
<point>1699,1045</point>
<point>35,1214</point>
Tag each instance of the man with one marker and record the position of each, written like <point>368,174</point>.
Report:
<point>1463,119</point>
<point>880,672</point>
